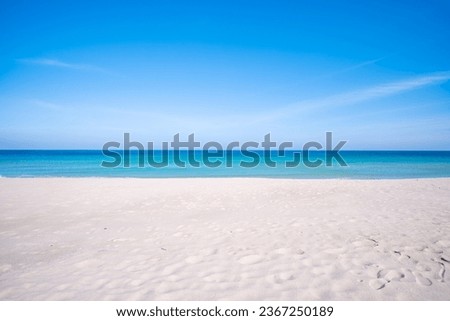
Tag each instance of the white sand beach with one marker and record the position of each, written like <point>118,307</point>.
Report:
<point>224,239</point>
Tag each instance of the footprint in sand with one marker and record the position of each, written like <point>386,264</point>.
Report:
<point>441,273</point>
<point>384,277</point>
<point>250,259</point>
<point>280,278</point>
<point>420,279</point>
<point>377,284</point>
<point>394,275</point>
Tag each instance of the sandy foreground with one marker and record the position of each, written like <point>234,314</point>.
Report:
<point>224,239</point>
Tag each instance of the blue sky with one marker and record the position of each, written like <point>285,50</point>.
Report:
<point>77,74</point>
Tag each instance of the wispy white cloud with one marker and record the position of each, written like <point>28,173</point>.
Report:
<point>224,121</point>
<point>357,96</point>
<point>59,64</point>
<point>363,64</point>
<point>332,73</point>
<point>401,86</point>
<point>46,104</point>
<point>354,67</point>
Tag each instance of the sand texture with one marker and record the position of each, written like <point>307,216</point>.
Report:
<point>224,239</point>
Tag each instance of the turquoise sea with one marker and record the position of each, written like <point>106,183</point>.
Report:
<point>361,165</point>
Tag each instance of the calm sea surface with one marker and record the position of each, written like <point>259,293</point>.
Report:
<point>361,165</point>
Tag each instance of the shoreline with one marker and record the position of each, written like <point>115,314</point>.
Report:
<point>224,239</point>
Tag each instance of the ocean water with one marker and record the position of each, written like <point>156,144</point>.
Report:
<point>361,165</point>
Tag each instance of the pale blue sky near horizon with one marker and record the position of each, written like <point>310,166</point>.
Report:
<point>74,75</point>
